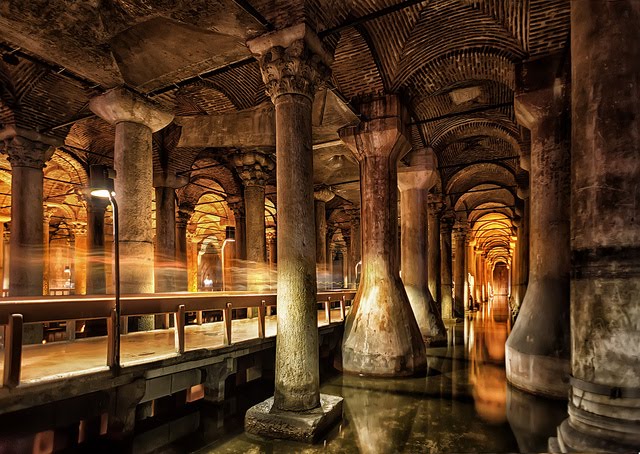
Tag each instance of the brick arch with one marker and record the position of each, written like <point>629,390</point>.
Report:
<point>482,124</point>
<point>478,174</point>
<point>493,208</point>
<point>472,200</point>
<point>94,135</point>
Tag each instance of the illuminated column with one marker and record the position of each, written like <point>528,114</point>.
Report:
<point>184,215</point>
<point>460,271</point>
<point>538,348</point>
<point>477,257</point>
<point>80,260</point>
<point>434,209</point>
<point>604,398</point>
<point>135,120</point>
<point>446,258</point>
<point>347,265</point>
<point>236,204</point>
<point>321,197</point>
<point>254,168</point>
<point>413,183</point>
<point>381,336</point>
<point>192,262</point>
<point>522,249</point>
<point>47,213</point>
<point>166,278</point>
<point>294,64</point>
<point>96,259</point>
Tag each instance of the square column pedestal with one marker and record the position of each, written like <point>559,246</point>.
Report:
<point>305,426</point>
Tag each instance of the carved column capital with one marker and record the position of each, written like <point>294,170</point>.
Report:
<point>293,61</point>
<point>185,211</point>
<point>23,152</point>
<point>254,167</point>
<point>79,228</point>
<point>323,194</point>
<point>236,205</point>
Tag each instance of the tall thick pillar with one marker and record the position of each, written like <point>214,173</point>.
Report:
<point>294,63</point>
<point>27,159</point>
<point>356,244</point>
<point>538,348</point>
<point>446,273</point>
<point>166,278</point>
<point>135,120</point>
<point>96,259</point>
<point>193,244</point>
<point>80,258</point>
<point>604,400</point>
<point>521,221</point>
<point>236,204</point>
<point>460,271</point>
<point>184,215</point>
<point>434,208</point>
<point>413,183</point>
<point>254,168</point>
<point>47,214</point>
<point>381,336</point>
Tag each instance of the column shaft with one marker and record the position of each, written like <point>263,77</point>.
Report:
<point>459,274</point>
<point>446,258</point>
<point>80,261</point>
<point>433,256</point>
<point>96,277</point>
<point>165,251</point>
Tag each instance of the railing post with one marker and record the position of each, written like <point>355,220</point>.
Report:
<point>199,317</point>
<point>179,329</point>
<point>124,324</point>
<point>327,310</point>
<point>112,341</point>
<point>71,330</point>
<point>262,310</point>
<point>13,351</point>
<point>226,318</point>
<point>343,303</point>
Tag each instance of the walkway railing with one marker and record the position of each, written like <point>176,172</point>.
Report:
<point>15,313</point>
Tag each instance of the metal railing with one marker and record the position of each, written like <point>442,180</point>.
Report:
<point>14,313</point>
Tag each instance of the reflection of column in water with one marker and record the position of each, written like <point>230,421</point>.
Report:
<point>380,418</point>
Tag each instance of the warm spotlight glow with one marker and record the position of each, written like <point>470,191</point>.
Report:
<point>101,193</point>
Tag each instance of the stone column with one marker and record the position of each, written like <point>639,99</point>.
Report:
<point>184,215</point>
<point>80,259</point>
<point>381,336</point>
<point>96,277</point>
<point>254,168</point>
<point>446,259</point>
<point>460,271</point>
<point>135,119</point>
<point>413,183</point>
<point>347,263</point>
<point>166,276</point>
<point>604,399</point>
<point>236,204</point>
<point>479,273</point>
<point>192,262</point>
<point>26,254</point>
<point>321,197</point>
<point>434,208</point>
<point>294,63</point>
<point>47,213</point>
<point>537,354</point>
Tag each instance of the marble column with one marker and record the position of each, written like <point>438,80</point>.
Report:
<point>477,257</point>
<point>459,271</point>
<point>604,398</point>
<point>236,204</point>
<point>193,244</point>
<point>353,214</point>
<point>294,63</point>
<point>80,258</point>
<point>254,168</point>
<point>347,258</point>
<point>434,208</point>
<point>47,213</point>
<point>136,119</point>
<point>382,337</point>
<point>321,197</point>
<point>96,259</point>
<point>26,269</point>
<point>446,265</point>
<point>184,215</point>
<point>413,183</point>
<point>165,184</point>
<point>538,348</point>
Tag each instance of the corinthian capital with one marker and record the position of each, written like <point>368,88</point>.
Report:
<point>293,61</point>
<point>26,153</point>
<point>254,167</point>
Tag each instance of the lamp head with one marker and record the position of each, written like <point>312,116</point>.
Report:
<point>230,233</point>
<point>101,180</point>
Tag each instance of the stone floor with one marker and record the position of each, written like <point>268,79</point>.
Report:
<point>63,359</point>
<point>462,405</point>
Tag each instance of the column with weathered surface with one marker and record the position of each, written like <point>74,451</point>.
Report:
<point>253,168</point>
<point>237,206</point>
<point>294,63</point>
<point>165,251</point>
<point>434,207</point>
<point>193,244</point>
<point>460,271</point>
<point>538,348</point>
<point>321,197</point>
<point>356,244</point>
<point>413,183</point>
<point>136,120</point>
<point>27,159</point>
<point>96,277</point>
<point>80,258</point>
<point>381,336</point>
<point>604,400</point>
<point>184,215</point>
<point>446,265</point>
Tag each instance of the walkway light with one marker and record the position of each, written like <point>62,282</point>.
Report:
<point>102,186</point>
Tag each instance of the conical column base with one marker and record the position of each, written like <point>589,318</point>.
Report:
<point>429,321</point>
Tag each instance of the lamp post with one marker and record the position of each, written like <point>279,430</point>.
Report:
<point>230,237</point>
<point>102,187</point>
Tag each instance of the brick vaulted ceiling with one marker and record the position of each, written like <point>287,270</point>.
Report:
<point>452,61</point>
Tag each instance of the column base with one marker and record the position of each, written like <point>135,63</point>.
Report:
<point>571,440</point>
<point>262,419</point>
<point>542,375</point>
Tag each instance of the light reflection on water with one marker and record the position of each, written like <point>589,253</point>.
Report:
<point>462,405</point>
